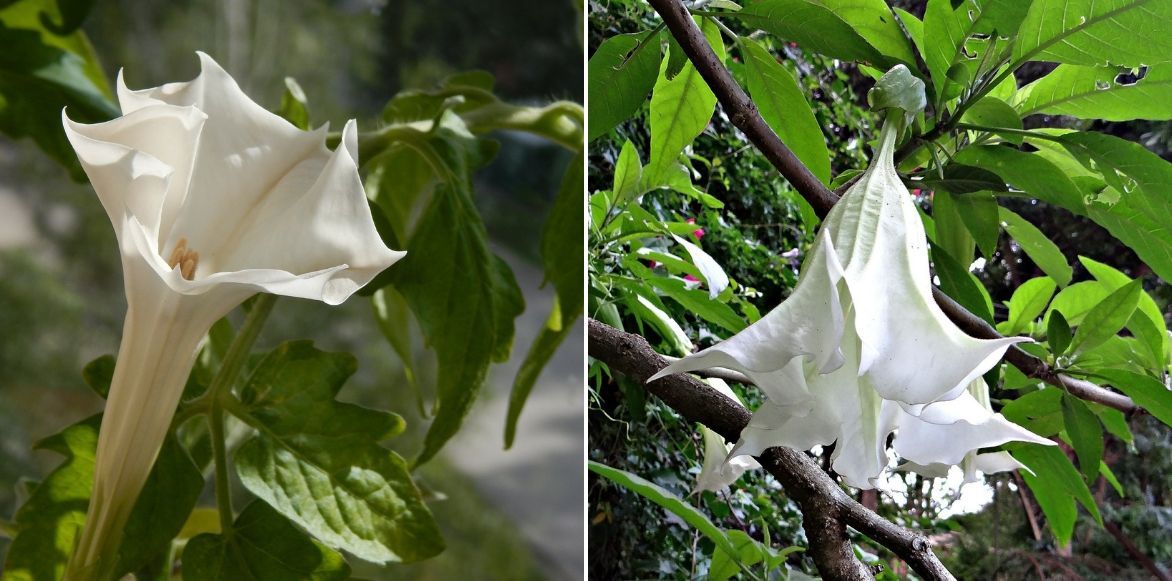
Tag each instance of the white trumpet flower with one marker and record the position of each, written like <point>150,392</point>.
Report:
<point>213,199</point>
<point>718,470</point>
<point>860,345</point>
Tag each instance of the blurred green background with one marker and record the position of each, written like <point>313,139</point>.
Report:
<point>506,515</point>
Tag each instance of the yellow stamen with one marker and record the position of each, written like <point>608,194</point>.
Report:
<point>184,258</point>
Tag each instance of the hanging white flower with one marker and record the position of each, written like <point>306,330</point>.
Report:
<point>213,199</point>
<point>718,469</point>
<point>860,345</point>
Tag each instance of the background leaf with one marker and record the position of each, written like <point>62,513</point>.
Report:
<point>1095,93</point>
<point>617,90</point>
<point>1089,32</point>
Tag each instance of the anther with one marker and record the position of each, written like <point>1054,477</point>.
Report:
<point>185,258</point>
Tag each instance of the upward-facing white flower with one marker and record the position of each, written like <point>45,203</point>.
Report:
<point>860,344</point>
<point>213,199</point>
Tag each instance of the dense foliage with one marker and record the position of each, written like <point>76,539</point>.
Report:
<point>1030,173</point>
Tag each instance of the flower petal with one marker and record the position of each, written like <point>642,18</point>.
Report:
<point>809,323</point>
<point>948,430</point>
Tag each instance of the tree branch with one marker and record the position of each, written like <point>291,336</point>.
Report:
<point>744,115</point>
<point>826,509</point>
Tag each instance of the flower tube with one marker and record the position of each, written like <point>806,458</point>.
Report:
<point>213,199</point>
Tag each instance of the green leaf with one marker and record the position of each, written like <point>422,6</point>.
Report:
<point>1128,33</point>
<point>464,298</point>
<point>628,174</point>
<point>680,109</point>
<point>45,67</point>
<point>1095,93</point>
<point>993,112</point>
<point>1056,486</point>
<point>1147,324</point>
<point>1146,391</point>
<point>951,233</point>
<point>562,254</point>
<point>1038,411</point>
<point>648,312</point>
<point>1076,300</point>
<point>960,284</point>
<point>1058,333</point>
<point>964,179</point>
<point>48,523</point>
<point>784,108</point>
<point>698,303</point>
<point>1028,172</point>
<point>949,43</point>
<point>1139,177</point>
<point>317,462</point>
<point>750,551</point>
<point>617,90</point>
<point>263,546</point>
<point>1028,302</point>
<point>295,105</point>
<point>1106,318</point>
<point>1086,435</point>
<point>667,500</point>
<point>1037,246</point>
<point>394,320</point>
<point>854,30</point>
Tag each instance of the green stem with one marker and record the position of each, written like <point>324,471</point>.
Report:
<point>221,389</point>
<point>1010,130</point>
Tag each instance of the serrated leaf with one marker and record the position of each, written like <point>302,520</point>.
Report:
<point>667,500</point>
<point>1106,318</point>
<point>617,89</point>
<point>316,460</point>
<point>263,546</point>
<point>784,108</point>
<point>1088,32</point>
<point>1056,486</point>
<point>680,109</point>
<point>1028,302</point>
<point>1037,246</point>
<point>48,523</point>
<point>854,30</point>
<point>1096,93</point>
<point>562,254</point>
<point>1086,435</point>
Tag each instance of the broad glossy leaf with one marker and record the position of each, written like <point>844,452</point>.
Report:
<point>1028,302</point>
<point>628,174</point>
<point>263,546</point>
<point>1056,485</point>
<point>1086,435</point>
<point>681,108</point>
<point>1096,32</point>
<point>1107,317</point>
<point>978,212</point>
<point>668,501</point>
<point>1038,411</point>
<point>960,284</point>
<point>993,112</point>
<point>317,461</point>
<point>710,271</point>
<point>854,30</point>
<point>1037,246</point>
<point>1146,391</point>
<point>47,524</point>
<point>1058,332</point>
<point>964,179</point>
<point>1095,93</point>
<point>1028,172</point>
<point>784,108</point>
<point>617,90</point>
<point>1147,324</point>
<point>1140,179</point>
<point>952,235</point>
<point>948,28</point>
<point>648,312</point>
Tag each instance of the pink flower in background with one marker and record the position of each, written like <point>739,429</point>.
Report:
<point>691,278</point>
<point>698,232</point>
